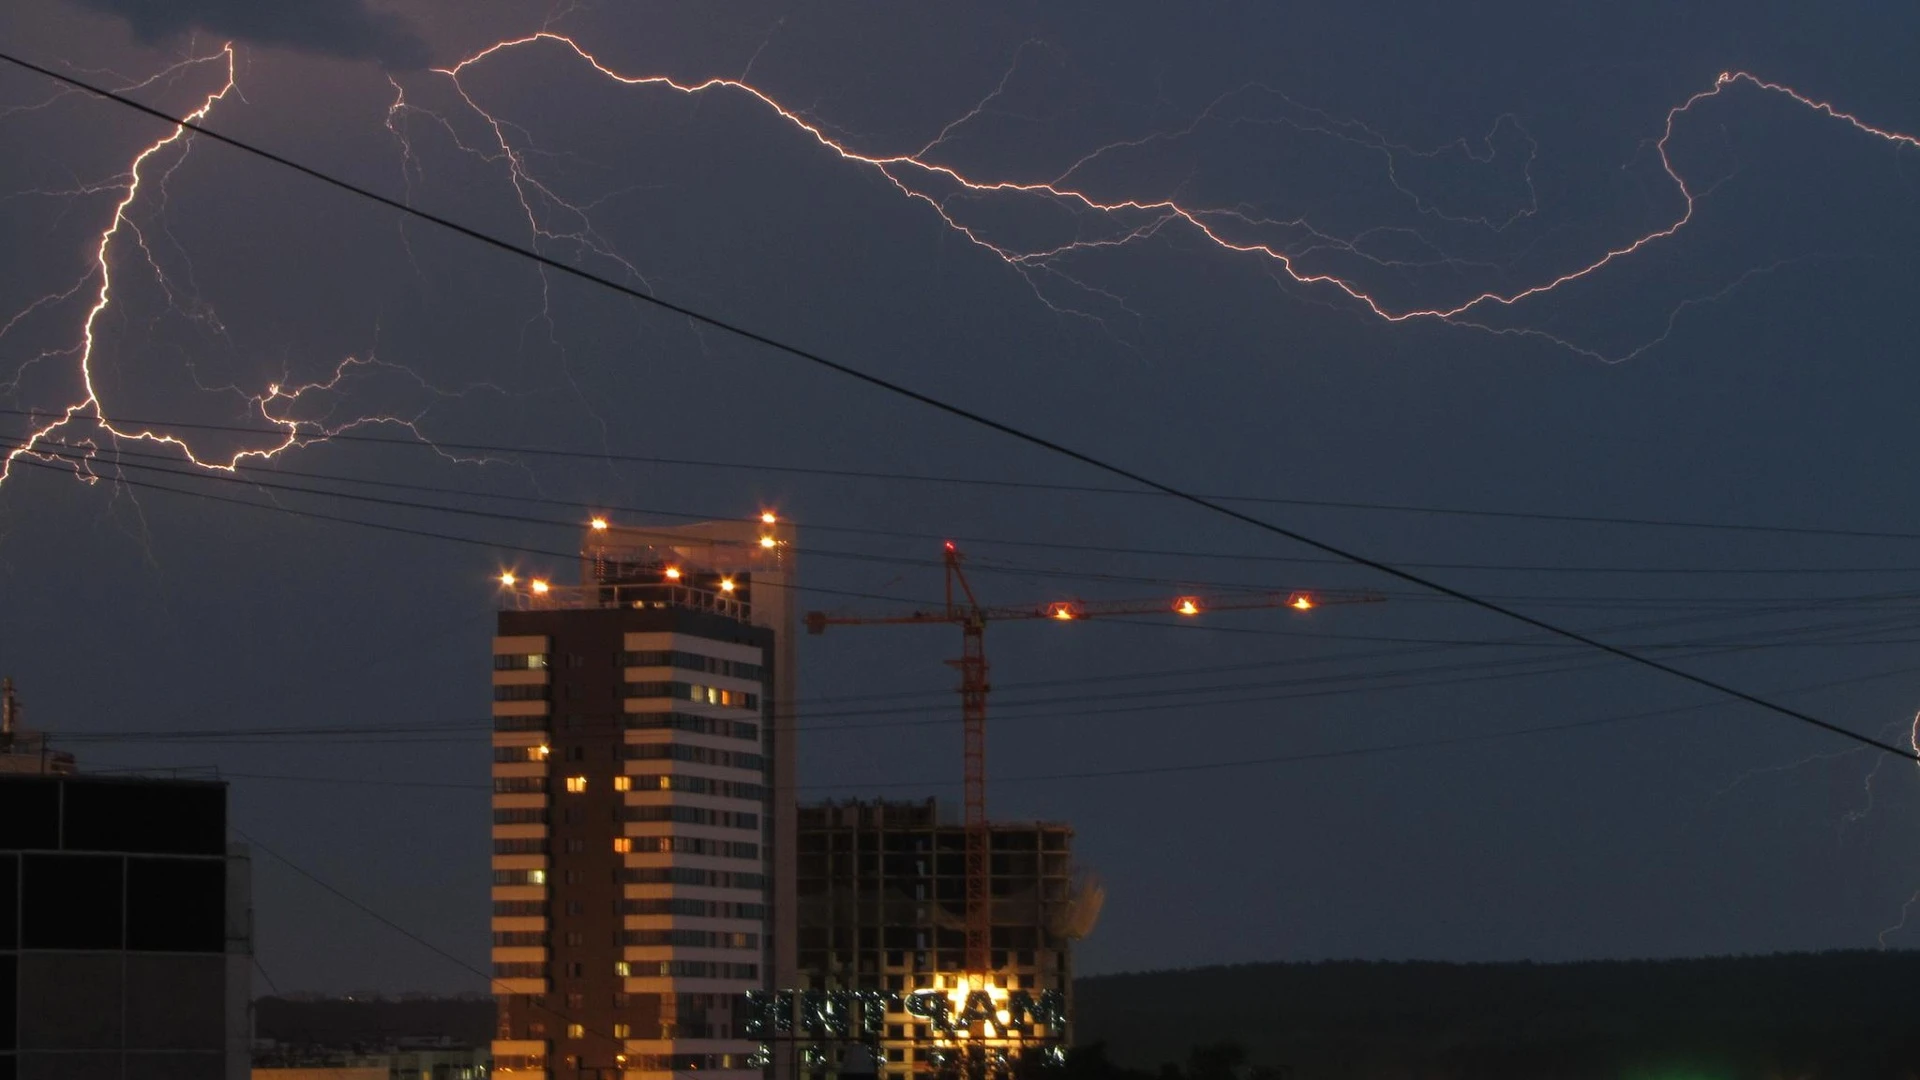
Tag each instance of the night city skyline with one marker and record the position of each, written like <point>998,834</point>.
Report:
<point>1597,316</point>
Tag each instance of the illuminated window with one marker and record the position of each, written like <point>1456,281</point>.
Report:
<point>622,968</point>
<point>537,753</point>
<point>621,1031</point>
<point>576,784</point>
<point>576,1031</point>
<point>536,877</point>
<point>622,844</point>
<point>623,783</point>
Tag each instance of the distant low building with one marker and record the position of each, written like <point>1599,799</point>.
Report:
<point>437,1062</point>
<point>23,752</point>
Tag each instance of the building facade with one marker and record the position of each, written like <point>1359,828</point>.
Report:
<point>882,894</point>
<point>636,808</point>
<point>125,931</point>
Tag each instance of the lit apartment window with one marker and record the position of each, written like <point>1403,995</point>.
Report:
<point>576,784</point>
<point>623,783</point>
<point>622,968</point>
<point>622,844</point>
<point>621,1031</point>
<point>537,753</point>
<point>576,1031</point>
<point>536,877</point>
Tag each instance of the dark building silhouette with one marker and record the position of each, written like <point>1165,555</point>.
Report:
<point>124,931</point>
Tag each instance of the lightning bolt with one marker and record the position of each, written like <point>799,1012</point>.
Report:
<point>1859,813</point>
<point>1906,909</point>
<point>1290,250</point>
<point>284,405</point>
<point>921,175</point>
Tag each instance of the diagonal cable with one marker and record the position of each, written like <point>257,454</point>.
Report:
<point>961,412</point>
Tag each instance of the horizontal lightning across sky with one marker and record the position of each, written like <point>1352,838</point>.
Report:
<point>916,175</point>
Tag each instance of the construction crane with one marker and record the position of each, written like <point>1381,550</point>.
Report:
<point>964,608</point>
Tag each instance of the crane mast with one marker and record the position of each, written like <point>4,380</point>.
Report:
<point>962,607</point>
<point>972,666</point>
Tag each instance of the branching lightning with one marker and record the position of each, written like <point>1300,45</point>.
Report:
<point>946,189</point>
<point>1857,814</point>
<point>87,423</point>
<point>1291,250</point>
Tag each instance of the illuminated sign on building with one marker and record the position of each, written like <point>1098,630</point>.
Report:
<point>861,1015</point>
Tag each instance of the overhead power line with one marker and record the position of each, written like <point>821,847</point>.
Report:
<point>1458,671</point>
<point>169,466</point>
<point>90,454</point>
<point>1294,689</point>
<point>78,455</point>
<point>1149,770</point>
<point>971,416</point>
<point>1631,521</point>
<point>1150,624</point>
<point>403,530</point>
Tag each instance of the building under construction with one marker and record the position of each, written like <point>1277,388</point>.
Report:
<point>883,914</point>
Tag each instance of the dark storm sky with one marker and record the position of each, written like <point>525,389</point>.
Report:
<point>1779,391</point>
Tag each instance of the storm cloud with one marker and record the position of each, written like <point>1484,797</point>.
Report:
<point>344,28</point>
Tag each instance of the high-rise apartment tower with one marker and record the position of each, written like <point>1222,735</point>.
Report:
<point>643,802</point>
